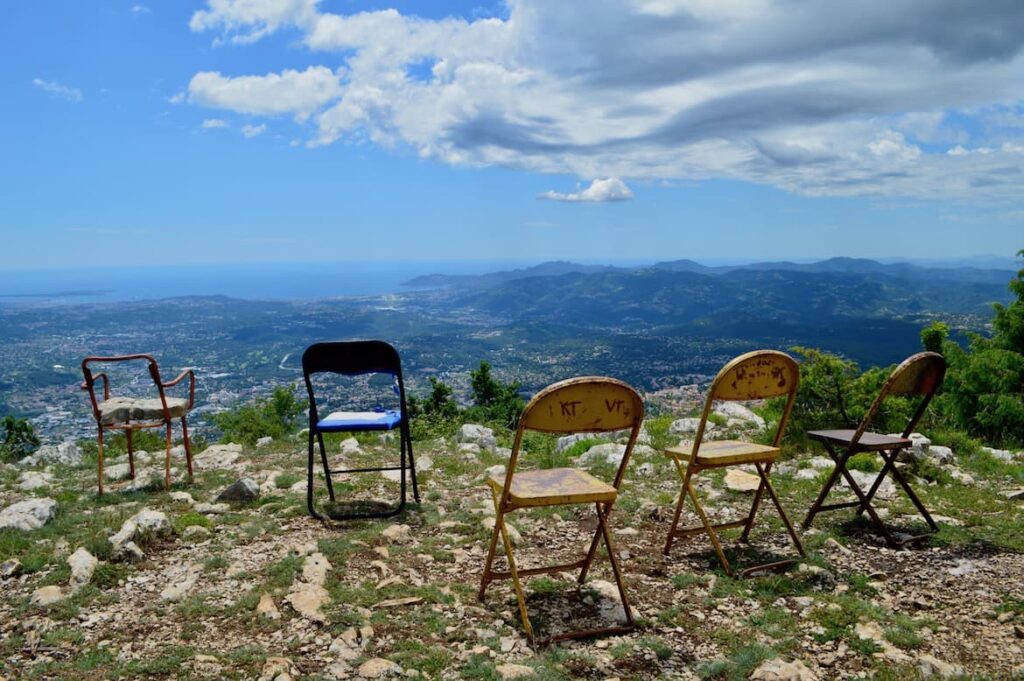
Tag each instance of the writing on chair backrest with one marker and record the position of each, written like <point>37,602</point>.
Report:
<point>584,405</point>
<point>756,375</point>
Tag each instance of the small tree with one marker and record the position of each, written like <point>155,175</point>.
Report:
<point>276,417</point>
<point>493,400</point>
<point>984,389</point>
<point>19,438</point>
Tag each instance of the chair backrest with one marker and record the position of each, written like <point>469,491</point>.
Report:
<point>90,378</point>
<point>351,358</point>
<point>756,375</point>
<point>588,404</point>
<point>921,374</point>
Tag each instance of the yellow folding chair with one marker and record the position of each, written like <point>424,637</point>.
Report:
<point>753,376</point>
<point>921,374</point>
<point>579,405</point>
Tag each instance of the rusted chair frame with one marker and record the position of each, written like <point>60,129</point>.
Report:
<point>383,358</point>
<point>693,468</point>
<point>926,383</point>
<point>503,505</point>
<point>129,427</point>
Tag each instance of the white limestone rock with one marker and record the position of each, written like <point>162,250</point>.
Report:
<point>67,453</point>
<point>82,564</point>
<point>479,435</point>
<point>30,514</point>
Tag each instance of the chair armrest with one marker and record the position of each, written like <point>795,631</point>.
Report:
<point>106,385</point>
<point>191,385</point>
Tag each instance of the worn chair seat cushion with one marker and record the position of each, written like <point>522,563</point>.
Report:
<point>124,409</point>
<point>554,486</point>
<point>342,421</point>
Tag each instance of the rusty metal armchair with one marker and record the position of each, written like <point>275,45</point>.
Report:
<point>755,375</point>
<point>921,375</point>
<point>129,414</point>
<point>353,358</point>
<point>578,405</point>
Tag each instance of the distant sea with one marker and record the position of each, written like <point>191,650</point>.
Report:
<point>276,281</point>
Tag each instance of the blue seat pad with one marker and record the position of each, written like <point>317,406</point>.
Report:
<point>341,421</point>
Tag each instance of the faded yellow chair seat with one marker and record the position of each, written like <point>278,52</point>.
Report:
<point>554,486</point>
<point>725,453</point>
<point>124,409</point>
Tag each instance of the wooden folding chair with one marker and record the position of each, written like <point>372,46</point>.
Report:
<point>753,376</point>
<point>921,374</point>
<point>587,404</point>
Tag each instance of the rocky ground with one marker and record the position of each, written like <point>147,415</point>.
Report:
<point>228,579</point>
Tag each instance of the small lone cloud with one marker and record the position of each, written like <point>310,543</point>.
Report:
<point>55,89</point>
<point>607,189</point>
<point>213,123</point>
<point>140,9</point>
<point>253,130</point>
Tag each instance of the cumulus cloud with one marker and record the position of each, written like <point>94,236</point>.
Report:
<point>608,189</point>
<point>864,98</point>
<point>253,130</point>
<point>57,90</point>
<point>289,92</point>
<point>212,123</point>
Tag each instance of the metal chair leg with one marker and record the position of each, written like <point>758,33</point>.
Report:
<point>710,530</point>
<point>499,522</point>
<point>188,447</point>
<point>167,459</point>
<point>99,447</point>
<point>131,452</point>
<point>778,507</point>
<point>603,522</point>
<point>685,477</point>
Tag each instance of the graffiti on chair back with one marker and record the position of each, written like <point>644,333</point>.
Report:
<point>757,378</point>
<point>584,406</point>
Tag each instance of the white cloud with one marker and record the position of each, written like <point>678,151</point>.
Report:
<point>865,98</point>
<point>140,9</point>
<point>608,189</point>
<point>72,94</point>
<point>211,123</point>
<point>289,92</point>
<point>253,130</point>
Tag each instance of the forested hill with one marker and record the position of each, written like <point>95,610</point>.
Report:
<point>658,296</point>
<point>857,266</point>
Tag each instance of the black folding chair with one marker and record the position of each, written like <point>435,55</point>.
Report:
<point>353,358</point>
<point>921,375</point>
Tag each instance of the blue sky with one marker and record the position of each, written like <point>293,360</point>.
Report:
<point>139,133</point>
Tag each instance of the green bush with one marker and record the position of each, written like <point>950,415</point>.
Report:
<point>833,393</point>
<point>19,438</point>
<point>983,393</point>
<point>277,416</point>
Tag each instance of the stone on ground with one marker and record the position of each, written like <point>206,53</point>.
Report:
<point>397,534</point>
<point>67,453</point>
<point>10,568</point>
<point>509,672</point>
<point>145,522</point>
<point>267,609</point>
<point>513,533</point>
<point>241,491</point>
<point>47,595</point>
<point>741,481</point>
<point>82,564</point>
<point>609,452</point>
<point>738,415</point>
<point>218,456</point>
<point>30,514</point>
<point>378,667</point>
<point>778,670</point>
<point>32,480</point>
<point>933,668</point>
<point>479,435</point>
